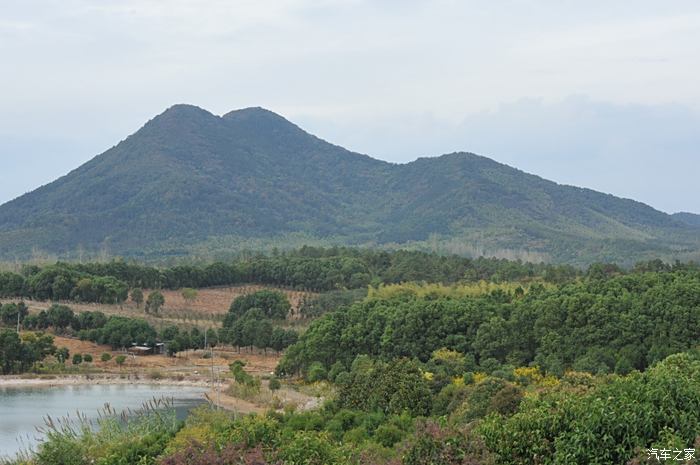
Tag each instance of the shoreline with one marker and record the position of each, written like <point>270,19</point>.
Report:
<point>219,399</point>
<point>110,379</point>
<point>96,380</point>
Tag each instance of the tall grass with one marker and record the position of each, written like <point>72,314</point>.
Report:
<point>115,438</point>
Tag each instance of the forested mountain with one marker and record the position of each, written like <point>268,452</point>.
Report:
<point>193,181</point>
<point>688,218</point>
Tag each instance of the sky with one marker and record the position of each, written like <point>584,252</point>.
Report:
<point>597,94</point>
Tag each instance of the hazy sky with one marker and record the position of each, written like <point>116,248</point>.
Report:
<point>599,94</point>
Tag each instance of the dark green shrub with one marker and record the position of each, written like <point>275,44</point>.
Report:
<point>310,449</point>
<point>317,372</point>
<point>506,401</point>
<point>387,435</point>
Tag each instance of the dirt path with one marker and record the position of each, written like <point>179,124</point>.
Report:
<point>283,397</point>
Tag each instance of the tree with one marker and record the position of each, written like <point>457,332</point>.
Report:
<point>317,372</point>
<point>17,354</point>
<point>62,354</point>
<point>10,312</point>
<point>392,387</point>
<point>10,350</point>
<point>59,316</point>
<point>137,296</point>
<point>106,357</point>
<point>240,375</point>
<point>87,358</point>
<point>120,359</point>
<point>11,284</point>
<point>77,359</point>
<point>121,331</point>
<point>38,345</point>
<point>262,334</point>
<point>273,304</point>
<point>212,337</point>
<point>189,294</point>
<point>154,302</point>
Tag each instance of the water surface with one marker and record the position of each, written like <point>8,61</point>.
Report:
<point>22,409</point>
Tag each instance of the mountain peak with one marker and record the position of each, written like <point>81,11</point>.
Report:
<point>184,109</point>
<point>258,116</point>
<point>178,118</point>
<point>692,219</point>
<point>261,120</point>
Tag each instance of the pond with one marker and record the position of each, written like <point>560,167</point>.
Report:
<point>22,409</point>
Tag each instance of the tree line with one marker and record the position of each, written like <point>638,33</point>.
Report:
<point>308,268</point>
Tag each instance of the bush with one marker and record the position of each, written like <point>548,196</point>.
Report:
<point>507,400</point>
<point>335,370</point>
<point>310,449</point>
<point>106,357</point>
<point>317,372</point>
<point>154,302</point>
<point>87,358</point>
<point>274,384</point>
<point>387,435</point>
<point>437,445</point>
<point>392,387</point>
<point>77,359</point>
<point>199,454</point>
<point>491,395</point>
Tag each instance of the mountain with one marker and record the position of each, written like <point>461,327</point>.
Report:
<point>691,219</point>
<point>192,182</point>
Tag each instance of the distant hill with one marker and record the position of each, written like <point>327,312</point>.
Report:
<point>688,218</point>
<point>190,182</point>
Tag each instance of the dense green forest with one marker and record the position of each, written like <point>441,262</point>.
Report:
<point>190,182</point>
<point>600,324</point>
<point>596,368</point>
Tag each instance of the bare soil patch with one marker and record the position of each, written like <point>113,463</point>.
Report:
<point>189,363</point>
<point>206,311</point>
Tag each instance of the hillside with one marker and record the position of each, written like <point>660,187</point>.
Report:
<point>190,181</point>
<point>691,219</point>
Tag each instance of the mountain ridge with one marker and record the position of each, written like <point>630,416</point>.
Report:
<point>192,178</point>
<point>692,219</point>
